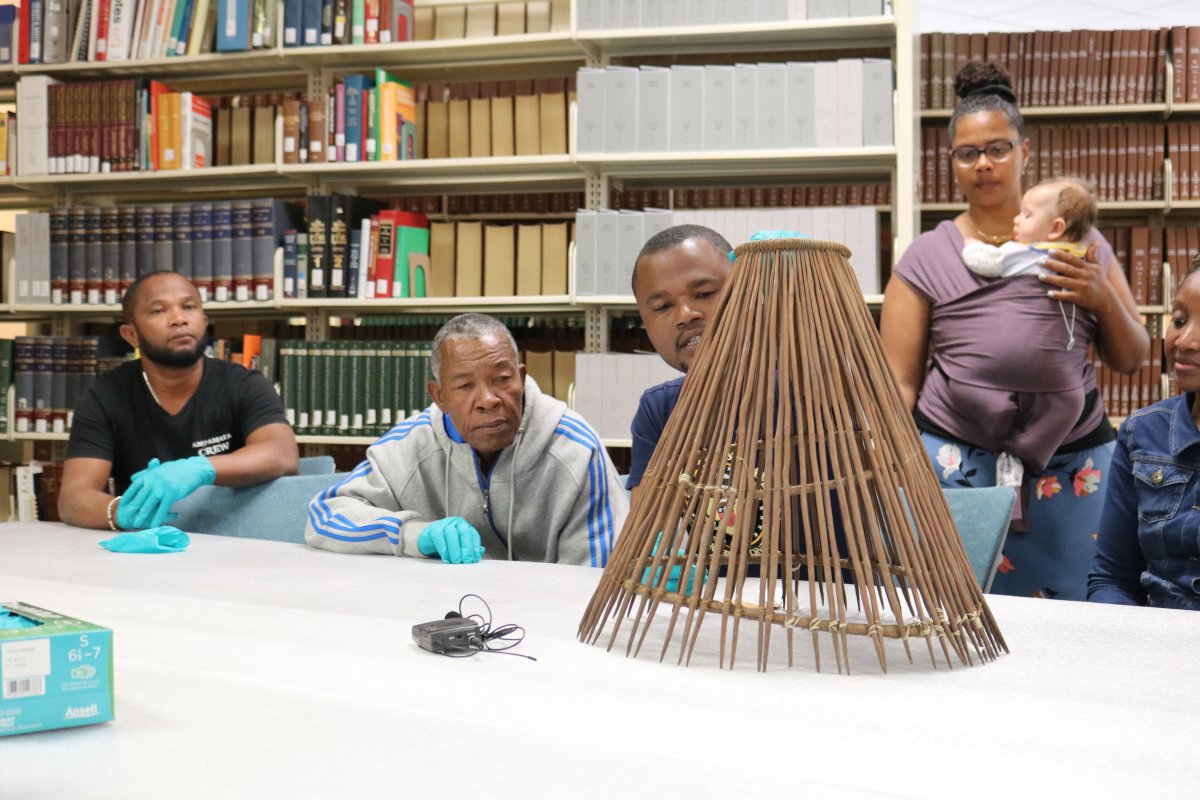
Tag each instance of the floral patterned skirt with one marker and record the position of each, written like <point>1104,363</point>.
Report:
<point>1053,557</point>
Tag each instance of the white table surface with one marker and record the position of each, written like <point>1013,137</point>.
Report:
<point>250,668</point>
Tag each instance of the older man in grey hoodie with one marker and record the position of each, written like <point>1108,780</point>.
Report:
<point>494,468</point>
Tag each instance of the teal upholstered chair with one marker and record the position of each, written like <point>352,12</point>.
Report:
<point>982,517</point>
<point>274,510</point>
<point>317,465</point>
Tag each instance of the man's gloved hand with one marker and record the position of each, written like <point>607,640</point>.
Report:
<point>154,490</point>
<point>676,571</point>
<point>160,539</point>
<point>453,539</point>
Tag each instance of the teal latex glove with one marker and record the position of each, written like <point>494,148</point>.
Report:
<point>148,502</point>
<point>676,572</point>
<point>453,539</point>
<point>11,621</point>
<point>162,539</point>
<point>760,235</point>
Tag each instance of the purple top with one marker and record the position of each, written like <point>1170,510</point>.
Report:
<point>1006,381</point>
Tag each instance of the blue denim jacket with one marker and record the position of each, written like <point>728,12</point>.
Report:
<point>1148,547</point>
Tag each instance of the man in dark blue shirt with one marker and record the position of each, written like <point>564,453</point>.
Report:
<point>676,280</point>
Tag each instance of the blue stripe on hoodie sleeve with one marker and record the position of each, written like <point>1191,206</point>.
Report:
<point>600,524</point>
<point>608,532</point>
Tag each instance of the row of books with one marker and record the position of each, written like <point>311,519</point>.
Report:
<point>8,142</point>
<point>29,492</point>
<point>49,375</point>
<point>1062,68</point>
<point>844,103</point>
<point>351,387</point>
<point>474,259</point>
<point>484,20</point>
<point>90,255</point>
<point>839,194</point>
<point>60,31</point>
<point>608,241</point>
<point>354,247</point>
<point>1183,148</point>
<point>610,14</point>
<point>1125,394</point>
<point>112,126</point>
<point>482,203</point>
<point>496,118</point>
<point>1143,250</point>
<point>1123,162</point>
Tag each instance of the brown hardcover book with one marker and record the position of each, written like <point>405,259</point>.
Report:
<point>923,91</point>
<point>437,130</point>
<point>1159,155</point>
<point>502,126</point>
<point>449,22</point>
<point>317,131</point>
<point>423,23</point>
<point>564,373</point>
<point>441,259</point>
<point>1173,155</point>
<point>1170,254</point>
<point>510,19</point>
<point>529,260</point>
<point>481,21</point>
<point>527,125</point>
<point>1145,77</point>
<point>1056,149</point>
<point>937,69</point>
<point>1037,90</point>
<point>1139,266</point>
<point>1193,248</point>
<point>1120,173</point>
<point>1059,54</point>
<point>1162,52</point>
<point>223,125</point>
<point>480,127</point>
<point>460,128</point>
<point>552,108</point>
<point>1179,63</point>
<point>537,15</point>
<point>1193,64</point>
<point>996,49</point>
<point>976,47</point>
<point>1091,62</point>
<point>555,239</point>
<point>291,131</point>
<point>1194,159</point>
<point>1120,76</point>
<point>944,179</point>
<point>1102,64</point>
<point>264,130</point>
<point>499,260</point>
<point>962,54</point>
<point>1155,256</point>
<point>468,260</point>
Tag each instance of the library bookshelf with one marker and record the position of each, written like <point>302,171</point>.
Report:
<point>525,56</point>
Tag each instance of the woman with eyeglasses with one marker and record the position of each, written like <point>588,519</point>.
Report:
<point>981,362</point>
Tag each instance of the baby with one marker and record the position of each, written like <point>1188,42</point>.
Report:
<point>1055,215</point>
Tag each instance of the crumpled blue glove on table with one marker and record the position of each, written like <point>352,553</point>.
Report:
<point>10,621</point>
<point>161,539</point>
<point>453,539</point>
<point>676,571</point>
<point>147,503</point>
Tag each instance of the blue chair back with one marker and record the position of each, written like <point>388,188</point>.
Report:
<point>317,465</point>
<point>982,517</point>
<point>276,510</point>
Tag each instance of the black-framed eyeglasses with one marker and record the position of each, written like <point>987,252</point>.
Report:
<point>997,153</point>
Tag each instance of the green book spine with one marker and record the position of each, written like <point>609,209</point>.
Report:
<point>287,371</point>
<point>329,419</point>
<point>304,368</point>
<point>317,381</point>
<point>358,22</point>
<point>344,353</point>
<point>386,365</point>
<point>399,396</point>
<point>370,373</point>
<point>356,405</point>
<point>267,362</point>
<point>414,379</point>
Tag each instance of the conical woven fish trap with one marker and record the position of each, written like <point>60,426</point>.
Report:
<point>790,489</point>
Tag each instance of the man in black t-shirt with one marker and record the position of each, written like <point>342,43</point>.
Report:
<point>172,421</point>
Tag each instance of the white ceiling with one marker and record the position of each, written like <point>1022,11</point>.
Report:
<point>1026,15</point>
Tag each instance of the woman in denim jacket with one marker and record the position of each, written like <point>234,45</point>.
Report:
<point>1148,547</point>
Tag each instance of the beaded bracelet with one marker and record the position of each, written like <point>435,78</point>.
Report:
<point>112,523</point>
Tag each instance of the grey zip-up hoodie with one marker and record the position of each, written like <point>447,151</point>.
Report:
<point>552,495</point>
